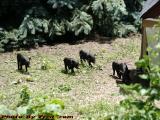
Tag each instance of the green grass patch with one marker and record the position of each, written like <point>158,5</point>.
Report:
<point>47,76</point>
<point>96,111</point>
<point>64,88</point>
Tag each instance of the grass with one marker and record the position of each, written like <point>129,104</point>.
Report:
<point>96,111</point>
<point>64,88</point>
<point>82,91</point>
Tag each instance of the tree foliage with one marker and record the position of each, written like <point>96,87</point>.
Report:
<point>81,22</point>
<point>48,19</point>
<point>134,7</point>
<point>108,16</point>
<point>60,4</point>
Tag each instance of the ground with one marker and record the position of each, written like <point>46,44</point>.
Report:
<point>87,89</point>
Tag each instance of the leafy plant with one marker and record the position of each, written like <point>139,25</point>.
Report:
<point>46,64</point>
<point>81,23</point>
<point>8,40</point>
<point>48,20</point>
<point>39,108</point>
<point>64,88</point>
<point>32,25</point>
<point>58,4</point>
<point>24,96</point>
<point>141,103</point>
<point>58,27</point>
<point>134,7</point>
<point>108,14</point>
<point>123,30</point>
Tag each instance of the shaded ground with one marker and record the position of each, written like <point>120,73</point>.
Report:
<point>85,88</point>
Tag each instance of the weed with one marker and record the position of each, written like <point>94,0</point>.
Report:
<point>64,88</point>
<point>46,64</point>
<point>96,111</point>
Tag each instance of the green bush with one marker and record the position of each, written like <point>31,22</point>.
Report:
<point>81,23</point>
<point>51,19</point>
<point>61,19</point>
<point>8,40</point>
<point>140,105</point>
<point>24,96</point>
<point>62,4</point>
<point>109,18</point>
<point>32,25</point>
<point>134,7</point>
<point>108,15</point>
<point>40,108</point>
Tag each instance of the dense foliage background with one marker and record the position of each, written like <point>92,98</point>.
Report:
<point>26,23</point>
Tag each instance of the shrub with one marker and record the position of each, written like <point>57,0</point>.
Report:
<point>32,25</point>
<point>24,96</point>
<point>8,40</point>
<point>61,19</point>
<point>40,108</point>
<point>141,103</point>
<point>108,16</point>
<point>134,7</point>
<point>48,20</point>
<point>81,23</point>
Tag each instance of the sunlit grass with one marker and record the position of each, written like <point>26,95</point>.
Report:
<point>73,89</point>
